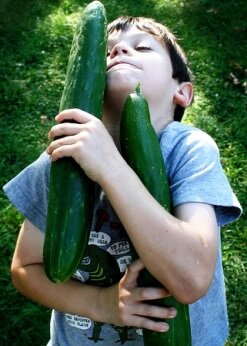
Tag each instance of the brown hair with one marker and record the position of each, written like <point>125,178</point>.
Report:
<point>181,70</point>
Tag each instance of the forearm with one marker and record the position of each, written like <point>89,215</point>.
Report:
<point>69,297</point>
<point>171,249</point>
<point>179,252</point>
<point>120,304</point>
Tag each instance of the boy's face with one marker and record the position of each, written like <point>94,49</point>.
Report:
<point>136,56</point>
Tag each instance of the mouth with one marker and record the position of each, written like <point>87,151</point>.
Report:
<point>119,63</point>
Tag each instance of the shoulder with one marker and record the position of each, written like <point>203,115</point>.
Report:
<point>38,168</point>
<point>180,137</point>
<point>185,146</point>
<point>28,191</point>
<point>43,162</point>
<point>194,171</point>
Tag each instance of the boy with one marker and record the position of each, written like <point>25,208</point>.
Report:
<point>181,251</point>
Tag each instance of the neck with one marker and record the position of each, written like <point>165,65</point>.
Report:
<point>111,119</point>
<point>161,117</point>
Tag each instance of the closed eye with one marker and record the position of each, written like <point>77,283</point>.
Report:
<point>143,48</point>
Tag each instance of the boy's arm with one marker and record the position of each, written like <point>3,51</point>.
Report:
<point>118,304</point>
<point>29,278</point>
<point>179,251</point>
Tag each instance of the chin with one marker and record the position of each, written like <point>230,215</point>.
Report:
<point>118,92</point>
<point>122,81</point>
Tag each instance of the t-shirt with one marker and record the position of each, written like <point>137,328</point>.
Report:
<point>195,174</point>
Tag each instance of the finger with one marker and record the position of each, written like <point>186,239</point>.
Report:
<point>132,273</point>
<point>137,265</point>
<point>74,114</point>
<point>151,293</point>
<point>149,310</point>
<point>65,151</point>
<point>146,323</point>
<point>64,129</point>
<point>68,140</point>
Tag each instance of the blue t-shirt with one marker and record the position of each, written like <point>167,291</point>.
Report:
<point>195,175</point>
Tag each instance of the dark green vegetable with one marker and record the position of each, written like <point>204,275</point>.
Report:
<point>71,192</point>
<point>140,147</point>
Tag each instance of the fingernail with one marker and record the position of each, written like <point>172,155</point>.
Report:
<point>164,327</point>
<point>172,313</point>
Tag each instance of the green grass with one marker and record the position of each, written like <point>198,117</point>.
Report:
<point>35,41</point>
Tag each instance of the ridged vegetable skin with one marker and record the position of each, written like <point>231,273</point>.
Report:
<point>71,192</point>
<point>141,149</point>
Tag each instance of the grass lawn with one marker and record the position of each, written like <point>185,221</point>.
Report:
<point>35,41</point>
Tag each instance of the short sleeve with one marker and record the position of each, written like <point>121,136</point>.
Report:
<point>28,191</point>
<point>195,173</point>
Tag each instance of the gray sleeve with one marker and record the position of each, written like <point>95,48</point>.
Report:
<point>28,191</point>
<point>196,175</point>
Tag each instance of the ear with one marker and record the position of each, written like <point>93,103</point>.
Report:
<point>184,94</point>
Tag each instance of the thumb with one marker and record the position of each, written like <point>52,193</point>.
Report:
<point>132,273</point>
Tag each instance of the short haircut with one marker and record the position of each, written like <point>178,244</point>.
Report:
<point>180,68</point>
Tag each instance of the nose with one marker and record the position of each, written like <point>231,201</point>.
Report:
<point>119,49</point>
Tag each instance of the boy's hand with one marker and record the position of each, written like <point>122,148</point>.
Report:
<point>86,140</point>
<point>124,303</point>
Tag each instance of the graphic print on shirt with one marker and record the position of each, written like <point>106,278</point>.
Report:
<point>102,267</point>
<point>103,264</point>
<point>100,236</point>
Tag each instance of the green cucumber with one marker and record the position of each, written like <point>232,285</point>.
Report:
<point>140,148</point>
<point>70,201</point>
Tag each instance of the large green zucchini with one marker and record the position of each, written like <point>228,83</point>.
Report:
<point>71,192</point>
<point>141,149</point>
